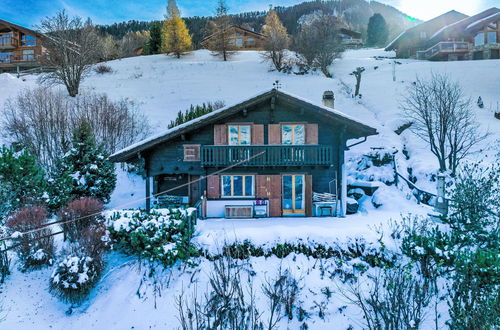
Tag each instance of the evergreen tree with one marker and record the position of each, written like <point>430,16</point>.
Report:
<point>277,40</point>
<point>22,180</point>
<point>84,171</point>
<point>378,31</point>
<point>153,46</point>
<point>194,112</point>
<point>175,35</point>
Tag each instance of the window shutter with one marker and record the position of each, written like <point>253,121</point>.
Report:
<point>258,134</point>
<point>308,195</point>
<point>191,152</point>
<point>220,134</point>
<point>213,186</point>
<point>274,134</point>
<point>312,134</point>
<point>275,195</point>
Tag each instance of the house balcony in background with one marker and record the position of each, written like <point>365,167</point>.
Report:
<point>8,42</point>
<point>444,48</point>
<point>266,155</point>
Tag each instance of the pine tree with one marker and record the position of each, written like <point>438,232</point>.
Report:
<point>22,180</point>
<point>153,46</point>
<point>175,35</point>
<point>277,40</point>
<point>221,43</point>
<point>84,171</point>
<point>378,32</point>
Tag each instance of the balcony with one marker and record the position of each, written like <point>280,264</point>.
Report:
<point>22,59</point>
<point>8,42</point>
<point>445,47</point>
<point>266,155</point>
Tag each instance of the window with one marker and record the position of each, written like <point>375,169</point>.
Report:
<point>28,55</point>
<point>250,41</point>
<point>237,186</point>
<point>5,57</point>
<point>479,39</point>
<point>28,41</point>
<point>492,37</point>
<point>240,134</point>
<point>293,134</point>
<point>239,42</point>
<point>191,152</point>
<point>423,35</point>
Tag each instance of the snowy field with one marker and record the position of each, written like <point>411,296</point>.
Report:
<point>161,86</point>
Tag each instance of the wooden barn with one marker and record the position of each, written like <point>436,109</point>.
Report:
<point>271,155</point>
<point>20,47</point>
<point>241,38</point>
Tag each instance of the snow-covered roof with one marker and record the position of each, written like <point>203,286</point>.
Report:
<point>488,19</point>
<point>131,150</point>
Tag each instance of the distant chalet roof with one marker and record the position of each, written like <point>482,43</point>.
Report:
<point>443,20</point>
<point>131,151</point>
<point>21,28</point>
<point>237,27</point>
<point>468,23</point>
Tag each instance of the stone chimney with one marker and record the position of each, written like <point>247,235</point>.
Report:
<point>329,99</point>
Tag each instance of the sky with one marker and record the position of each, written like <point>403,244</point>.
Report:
<point>29,12</point>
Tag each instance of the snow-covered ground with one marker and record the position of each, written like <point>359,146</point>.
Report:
<point>161,86</point>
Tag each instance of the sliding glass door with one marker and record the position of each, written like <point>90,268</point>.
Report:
<point>293,194</point>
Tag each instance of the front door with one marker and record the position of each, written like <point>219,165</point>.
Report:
<point>293,194</point>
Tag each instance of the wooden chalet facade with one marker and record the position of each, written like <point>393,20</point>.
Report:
<point>472,38</point>
<point>452,36</point>
<point>415,39</point>
<point>241,39</point>
<point>20,47</point>
<point>267,156</point>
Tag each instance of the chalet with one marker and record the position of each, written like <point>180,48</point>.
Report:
<point>472,38</point>
<point>271,155</point>
<point>415,39</point>
<point>20,47</point>
<point>241,38</point>
<point>350,38</point>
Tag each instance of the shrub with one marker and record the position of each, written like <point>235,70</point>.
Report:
<point>74,277</point>
<point>22,180</point>
<point>159,236</point>
<point>88,210</point>
<point>35,250</point>
<point>102,69</point>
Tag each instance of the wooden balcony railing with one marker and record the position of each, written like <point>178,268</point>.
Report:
<point>267,155</point>
<point>446,47</point>
<point>11,59</point>
<point>8,42</point>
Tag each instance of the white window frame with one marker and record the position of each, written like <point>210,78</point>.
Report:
<point>293,125</point>
<point>243,181</point>
<point>239,134</point>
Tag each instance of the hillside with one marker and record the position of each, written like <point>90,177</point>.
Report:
<point>127,298</point>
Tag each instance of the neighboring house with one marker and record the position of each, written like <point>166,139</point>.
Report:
<point>472,38</point>
<point>415,39</point>
<point>270,155</point>
<point>20,47</point>
<point>350,38</point>
<point>242,39</point>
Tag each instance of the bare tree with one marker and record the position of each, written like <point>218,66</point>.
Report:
<point>442,116</point>
<point>44,120</point>
<point>220,42</point>
<point>71,50</point>
<point>318,43</point>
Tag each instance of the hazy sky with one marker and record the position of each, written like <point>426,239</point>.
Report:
<point>29,12</point>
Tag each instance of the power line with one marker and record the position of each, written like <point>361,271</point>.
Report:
<point>41,227</point>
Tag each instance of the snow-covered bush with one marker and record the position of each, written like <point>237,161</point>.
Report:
<point>22,180</point>
<point>74,276</point>
<point>79,215</point>
<point>34,250</point>
<point>373,166</point>
<point>384,195</point>
<point>159,236</point>
<point>84,171</point>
